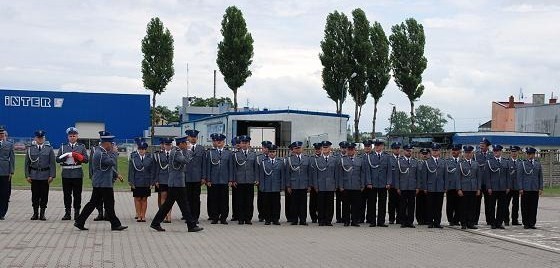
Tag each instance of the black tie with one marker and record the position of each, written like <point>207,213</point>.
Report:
<point>326,159</point>
<point>245,153</point>
<point>379,156</point>
<point>272,162</point>
<point>167,155</point>
<point>72,146</point>
<point>40,147</point>
<point>435,159</point>
<point>408,161</point>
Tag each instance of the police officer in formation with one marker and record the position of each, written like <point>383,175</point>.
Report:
<point>100,214</point>
<point>219,177</point>
<point>433,184</point>
<point>141,176</point>
<point>469,188</point>
<point>194,175</point>
<point>379,180</point>
<point>7,168</point>
<point>162,158</point>
<point>298,173</point>
<point>104,162</point>
<point>482,156</point>
<point>530,185</point>
<point>498,184</point>
<point>338,194</point>
<point>313,210</point>
<point>71,156</point>
<point>407,185</point>
<point>513,195</point>
<point>393,196</point>
<point>235,143</point>
<point>325,183</point>
<point>263,155</point>
<point>271,180</point>
<point>421,197</point>
<point>245,170</point>
<point>352,177</point>
<point>452,179</point>
<point>40,171</point>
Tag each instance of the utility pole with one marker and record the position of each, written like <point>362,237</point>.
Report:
<point>214,84</point>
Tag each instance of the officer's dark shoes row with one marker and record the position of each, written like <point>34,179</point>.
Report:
<point>372,225</point>
<point>515,223</point>
<point>80,226</point>
<point>224,222</point>
<point>195,229</point>
<point>157,228</point>
<point>472,227</point>
<point>119,228</point>
<point>382,225</point>
<point>355,224</point>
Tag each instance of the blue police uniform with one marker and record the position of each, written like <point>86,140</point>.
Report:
<point>40,167</point>
<point>530,183</point>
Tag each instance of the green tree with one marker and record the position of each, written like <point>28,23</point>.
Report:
<point>399,123</point>
<point>361,56</point>
<point>408,61</point>
<point>379,67</point>
<point>336,57</point>
<point>429,119</point>
<point>210,102</point>
<point>157,65</point>
<point>235,51</point>
<point>163,114</point>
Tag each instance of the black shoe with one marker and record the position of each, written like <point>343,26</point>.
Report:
<point>500,227</point>
<point>303,223</point>
<point>391,222</point>
<point>431,226</point>
<point>532,227</point>
<point>403,226</point>
<point>372,225</point>
<point>224,222</point>
<point>164,221</point>
<point>328,224</point>
<point>182,218</point>
<point>42,215</point>
<point>293,223</point>
<point>80,226</point>
<point>526,227</point>
<point>493,227</point>
<point>76,213</point>
<point>34,217</point>
<point>66,216</point>
<point>99,218</point>
<point>267,223</point>
<point>157,228</point>
<point>355,224</point>
<point>346,224</point>
<point>119,228</point>
<point>214,222</point>
<point>248,223</point>
<point>411,226</point>
<point>276,223</point>
<point>438,226</point>
<point>382,225</point>
<point>463,227</point>
<point>195,229</point>
<point>322,224</point>
<point>136,217</point>
<point>240,222</point>
<point>515,223</point>
<point>261,220</point>
<point>472,227</point>
<point>2,218</point>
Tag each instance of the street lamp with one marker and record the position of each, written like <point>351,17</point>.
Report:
<point>341,97</point>
<point>451,117</point>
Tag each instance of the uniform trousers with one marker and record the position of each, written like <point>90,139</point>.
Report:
<point>39,193</point>
<point>104,195</point>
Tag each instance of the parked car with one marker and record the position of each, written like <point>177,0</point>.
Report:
<point>19,146</point>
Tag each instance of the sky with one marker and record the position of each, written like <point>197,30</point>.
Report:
<point>478,51</point>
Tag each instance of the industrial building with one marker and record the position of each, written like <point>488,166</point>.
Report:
<point>279,126</point>
<point>24,111</point>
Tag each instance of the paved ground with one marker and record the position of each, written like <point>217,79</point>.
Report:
<point>58,244</point>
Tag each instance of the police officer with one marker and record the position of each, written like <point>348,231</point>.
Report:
<point>452,178</point>
<point>40,170</point>
<point>178,158</point>
<point>298,173</point>
<point>530,184</point>
<point>271,182</point>
<point>194,173</point>
<point>100,216</point>
<point>338,204</point>
<point>313,210</point>
<point>263,155</point>
<point>421,197</point>
<point>352,177</point>
<point>161,180</point>
<point>7,168</point>
<point>394,206</point>
<point>220,177</point>
<point>482,157</point>
<point>245,170</point>
<point>141,176</point>
<point>407,185</point>
<point>513,196</point>
<point>469,188</point>
<point>434,186</point>
<point>71,156</point>
<point>325,183</point>
<point>235,143</point>
<point>498,184</point>
<point>379,180</point>
<point>104,162</point>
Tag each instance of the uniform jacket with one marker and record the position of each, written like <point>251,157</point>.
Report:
<point>530,176</point>
<point>499,178</point>
<point>324,173</point>
<point>433,177</point>
<point>40,165</point>
<point>7,159</point>
<point>71,168</point>
<point>141,173</point>
<point>394,169</point>
<point>513,163</point>
<point>245,167</point>
<point>298,172</point>
<point>272,175</point>
<point>178,159</point>
<point>452,174</point>
<point>408,174</point>
<point>219,166</point>
<point>352,174</point>
<point>482,159</point>
<point>195,168</point>
<point>470,179</point>
<point>161,167</point>
<point>104,165</point>
<point>380,169</point>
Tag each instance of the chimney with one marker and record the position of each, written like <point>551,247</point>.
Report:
<point>538,99</point>
<point>511,104</point>
<point>552,101</point>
